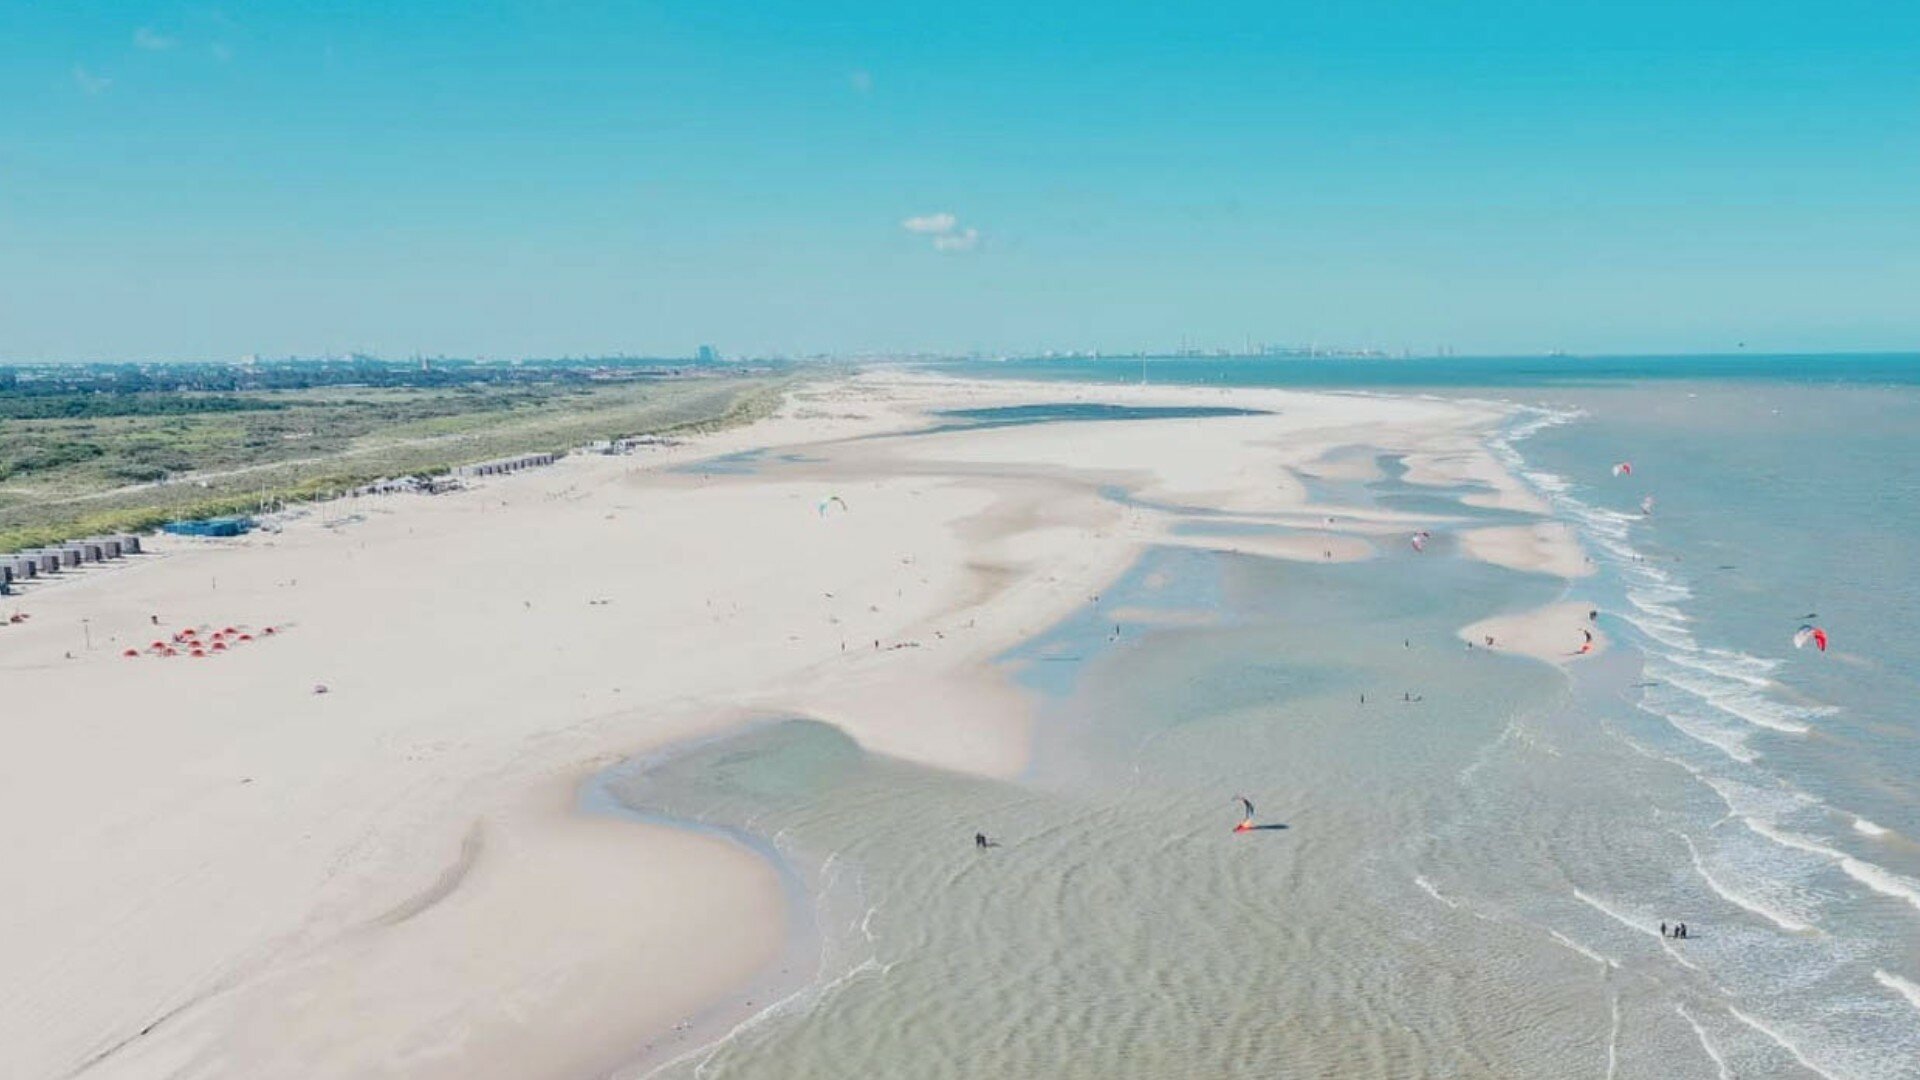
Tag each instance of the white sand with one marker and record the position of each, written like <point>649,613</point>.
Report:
<point>1551,633</point>
<point>1544,547</point>
<point>1465,460</point>
<point>213,870</point>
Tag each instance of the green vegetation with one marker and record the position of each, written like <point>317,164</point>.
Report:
<point>76,464</point>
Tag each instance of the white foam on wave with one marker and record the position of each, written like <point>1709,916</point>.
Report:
<point>1782,1041</point>
<point>1632,922</point>
<point>799,1000</point>
<point>1548,485</point>
<point>1727,664</point>
<point>1546,482</point>
<point>1598,958</point>
<point>1659,609</point>
<point>1731,743</point>
<point>1882,880</point>
<point>1898,985</point>
<point>1649,752</point>
<point>1668,634</point>
<point>1427,887</point>
<point>1784,920</point>
<point>1731,696</point>
<point>1878,878</point>
<point>1791,839</point>
<point>1613,1037</point>
<point>1538,419</point>
<point>1706,1041</point>
<point>1728,681</point>
<point>1742,804</point>
<point>1868,828</point>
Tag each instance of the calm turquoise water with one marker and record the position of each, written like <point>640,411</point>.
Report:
<point>1463,371</point>
<point>1469,883</point>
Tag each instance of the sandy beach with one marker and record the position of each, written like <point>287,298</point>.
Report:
<point>218,870</point>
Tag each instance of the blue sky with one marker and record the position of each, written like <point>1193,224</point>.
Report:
<point>545,179</point>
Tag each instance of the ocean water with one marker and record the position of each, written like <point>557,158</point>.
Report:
<point>1468,869</point>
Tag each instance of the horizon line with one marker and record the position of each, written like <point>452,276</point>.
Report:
<point>902,355</point>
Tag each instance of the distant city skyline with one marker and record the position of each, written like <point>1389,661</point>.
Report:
<point>511,179</point>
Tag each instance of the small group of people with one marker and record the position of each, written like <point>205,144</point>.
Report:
<point>1678,931</point>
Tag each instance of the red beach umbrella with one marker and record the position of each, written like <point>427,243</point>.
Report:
<point>131,652</point>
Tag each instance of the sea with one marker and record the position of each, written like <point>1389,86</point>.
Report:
<point>1465,858</point>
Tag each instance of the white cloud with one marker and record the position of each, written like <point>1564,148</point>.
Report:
<point>153,40</point>
<point>88,82</point>
<point>945,231</point>
<point>931,223</point>
<point>965,240</point>
<point>861,81</point>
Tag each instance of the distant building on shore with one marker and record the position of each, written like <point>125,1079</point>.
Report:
<point>707,355</point>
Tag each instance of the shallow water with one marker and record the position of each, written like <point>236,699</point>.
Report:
<point>1468,884</point>
<point>1120,928</point>
<point>1787,783</point>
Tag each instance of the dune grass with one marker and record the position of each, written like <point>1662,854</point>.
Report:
<point>67,476</point>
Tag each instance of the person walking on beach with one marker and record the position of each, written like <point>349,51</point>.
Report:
<point>980,841</point>
<point>1663,929</point>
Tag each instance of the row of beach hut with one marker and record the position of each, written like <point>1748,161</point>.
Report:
<point>41,562</point>
<point>502,466</point>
